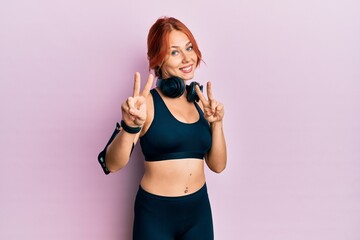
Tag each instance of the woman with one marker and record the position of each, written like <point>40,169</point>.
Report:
<point>176,133</point>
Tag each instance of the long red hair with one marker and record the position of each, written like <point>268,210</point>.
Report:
<point>158,41</point>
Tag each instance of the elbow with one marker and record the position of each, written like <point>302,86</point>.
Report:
<point>114,169</point>
<point>219,169</point>
<point>116,161</point>
<point>216,166</point>
<point>114,166</point>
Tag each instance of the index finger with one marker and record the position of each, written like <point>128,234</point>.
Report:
<point>209,91</point>
<point>200,95</point>
<point>136,84</point>
<point>148,85</point>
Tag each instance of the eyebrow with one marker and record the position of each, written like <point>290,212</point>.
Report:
<point>179,47</point>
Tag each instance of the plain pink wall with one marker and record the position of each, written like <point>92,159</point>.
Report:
<point>288,73</point>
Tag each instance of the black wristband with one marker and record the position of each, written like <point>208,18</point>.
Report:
<point>129,129</point>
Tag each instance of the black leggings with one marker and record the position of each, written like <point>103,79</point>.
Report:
<point>173,218</point>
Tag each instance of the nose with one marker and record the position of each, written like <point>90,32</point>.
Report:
<point>186,57</point>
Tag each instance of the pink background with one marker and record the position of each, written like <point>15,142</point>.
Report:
<point>288,73</point>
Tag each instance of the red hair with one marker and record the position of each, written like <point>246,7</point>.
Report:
<point>158,41</point>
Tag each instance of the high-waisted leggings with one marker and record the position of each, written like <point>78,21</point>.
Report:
<point>173,218</point>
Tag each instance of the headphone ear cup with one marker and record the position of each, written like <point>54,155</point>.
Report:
<point>172,87</point>
<point>191,95</point>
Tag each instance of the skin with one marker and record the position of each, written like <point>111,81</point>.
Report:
<point>180,176</point>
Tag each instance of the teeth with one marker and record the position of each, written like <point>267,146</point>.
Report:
<point>187,68</point>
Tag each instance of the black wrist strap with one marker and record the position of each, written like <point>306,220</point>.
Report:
<point>129,129</point>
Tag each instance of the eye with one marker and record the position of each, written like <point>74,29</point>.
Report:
<point>190,48</point>
<point>174,53</point>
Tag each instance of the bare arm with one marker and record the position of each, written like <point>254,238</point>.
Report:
<point>134,115</point>
<point>118,152</point>
<point>216,158</point>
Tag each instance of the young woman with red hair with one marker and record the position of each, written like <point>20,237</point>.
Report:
<point>178,128</point>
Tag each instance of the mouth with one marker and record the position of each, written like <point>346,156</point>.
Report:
<point>187,69</point>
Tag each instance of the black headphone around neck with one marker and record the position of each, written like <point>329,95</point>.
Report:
<point>175,87</point>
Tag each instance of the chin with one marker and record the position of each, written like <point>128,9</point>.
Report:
<point>187,76</point>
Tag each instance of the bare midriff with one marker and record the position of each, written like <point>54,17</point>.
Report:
<point>175,177</point>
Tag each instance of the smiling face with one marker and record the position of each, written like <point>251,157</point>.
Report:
<point>181,59</point>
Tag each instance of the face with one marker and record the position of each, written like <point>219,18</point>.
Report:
<point>181,59</point>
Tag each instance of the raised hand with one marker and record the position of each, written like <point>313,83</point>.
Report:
<point>134,108</point>
<point>213,110</point>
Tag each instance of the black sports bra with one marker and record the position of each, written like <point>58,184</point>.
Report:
<point>168,138</point>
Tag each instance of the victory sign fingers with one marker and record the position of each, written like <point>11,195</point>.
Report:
<point>214,110</point>
<point>134,109</point>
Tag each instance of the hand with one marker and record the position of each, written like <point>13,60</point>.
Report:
<point>213,110</point>
<point>134,108</point>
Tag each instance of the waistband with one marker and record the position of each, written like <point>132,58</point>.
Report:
<point>202,191</point>
<point>174,156</point>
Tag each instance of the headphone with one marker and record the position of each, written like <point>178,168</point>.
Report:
<point>175,87</point>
